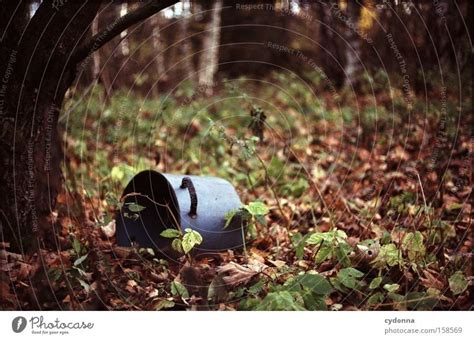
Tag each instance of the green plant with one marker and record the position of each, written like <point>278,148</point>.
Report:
<point>251,214</point>
<point>458,283</point>
<point>301,292</point>
<point>389,255</point>
<point>348,279</point>
<point>182,242</point>
<point>331,245</point>
<point>413,245</point>
<point>78,270</point>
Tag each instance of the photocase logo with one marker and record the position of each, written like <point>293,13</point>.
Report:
<point>18,324</point>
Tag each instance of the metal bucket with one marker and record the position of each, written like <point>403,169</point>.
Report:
<point>177,201</point>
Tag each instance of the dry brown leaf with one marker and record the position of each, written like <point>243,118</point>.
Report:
<point>109,229</point>
<point>363,154</point>
<point>431,281</point>
<point>122,252</point>
<point>278,263</point>
<point>234,274</point>
<point>24,270</point>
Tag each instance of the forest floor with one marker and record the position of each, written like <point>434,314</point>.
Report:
<point>369,203</point>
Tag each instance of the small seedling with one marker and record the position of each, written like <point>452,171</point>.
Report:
<point>182,242</point>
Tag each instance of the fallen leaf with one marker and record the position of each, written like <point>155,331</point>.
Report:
<point>278,263</point>
<point>234,274</point>
<point>109,229</point>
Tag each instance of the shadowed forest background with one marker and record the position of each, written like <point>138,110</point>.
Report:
<point>345,127</point>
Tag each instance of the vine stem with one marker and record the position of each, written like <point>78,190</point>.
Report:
<point>132,194</point>
<point>275,195</point>
<point>178,227</point>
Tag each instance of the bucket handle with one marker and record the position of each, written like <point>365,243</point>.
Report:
<point>187,183</point>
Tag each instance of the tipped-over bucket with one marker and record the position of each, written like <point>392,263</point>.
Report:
<point>154,202</point>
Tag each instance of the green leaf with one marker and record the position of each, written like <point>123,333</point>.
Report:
<point>315,283</point>
<point>76,245</point>
<point>191,238</point>
<point>324,253</point>
<point>170,233</point>
<point>252,231</point>
<point>229,216</point>
<point>397,298</point>
<point>177,289</point>
<point>336,283</point>
<point>280,301</point>
<point>375,298</point>
<point>135,207</point>
<point>122,173</point>
<point>80,260</point>
<point>454,206</point>
<point>331,243</point>
<point>389,255</point>
<point>316,238</point>
<point>375,282</point>
<point>314,302</point>
<point>458,283</point>
<point>261,219</point>
<point>177,245</point>
<point>391,288</point>
<point>413,244</point>
<point>256,288</point>
<point>340,235</point>
<point>343,251</point>
<point>348,277</point>
<point>256,208</point>
<point>332,237</point>
<point>117,174</point>
<point>298,242</point>
<point>164,304</point>
<point>276,167</point>
<point>111,200</point>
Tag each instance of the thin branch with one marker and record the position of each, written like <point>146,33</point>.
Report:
<point>118,26</point>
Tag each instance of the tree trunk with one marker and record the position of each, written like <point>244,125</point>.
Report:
<point>124,48</point>
<point>188,65</point>
<point>210,54</point>
<point>96,56</point>
<point>353,44</point>
<point>36,77</point>
<point>99,76</point>
<point>330,56</point>
<point>155,22</point>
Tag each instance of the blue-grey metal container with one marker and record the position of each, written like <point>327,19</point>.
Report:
<point>177,201</point>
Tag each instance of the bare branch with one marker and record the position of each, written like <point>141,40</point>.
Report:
<point>118,26</point>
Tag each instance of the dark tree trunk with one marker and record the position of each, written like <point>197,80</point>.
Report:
<point>330,54</point>
<point>36,75</point>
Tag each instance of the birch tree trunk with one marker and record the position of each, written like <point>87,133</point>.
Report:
<point>353,44</point>
<point>210,55</point>
<point>96,56</point>
<point>188,65</point>
<point>124,43</point>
